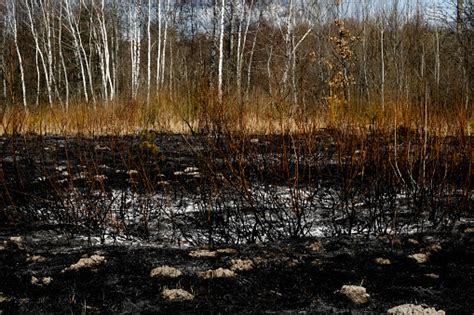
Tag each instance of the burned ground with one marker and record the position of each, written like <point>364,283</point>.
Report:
<point>287,276</point>
<point>310,213</point>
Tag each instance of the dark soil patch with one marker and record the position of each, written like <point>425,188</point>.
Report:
<point>287,277</point>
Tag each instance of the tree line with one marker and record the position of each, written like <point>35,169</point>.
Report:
<point>306,54</point>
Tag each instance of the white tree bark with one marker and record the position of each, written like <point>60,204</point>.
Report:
<point>165,42</point>
<point>61,55</point>
<point>115,47</point>
<point>242,42</point>
<point>135,46</point>
<point>74,31</point>
<point>2,56</point>
<point>364,48</point>
<point>269,72</point>
<point>249,68</point>
<point>46,8</point>
<point>159,44</point>
<point>437,59</point>
<point>288,46</point>
<point>382,60</point>
<point>102,47</point>
<point>38,78</point>
<point>148,68</point>
<point>105,45</point>
<point>13,22</point>
<point>29,9</point>
<point>98,48</point>
<point>89,58</point>
<point>221,54</point>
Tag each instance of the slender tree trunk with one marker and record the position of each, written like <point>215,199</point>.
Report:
<point>165,42</point>
<point>135,47</point>
<point>38,78</point>
<point>34,33</point>
<point>73,30</point>
<point>109,83</point>
<point>221,54</point>
<point>364,48</point>
<point>87,61</point>
<point>459,9</point>
<point>115,49</point>
<point>382,60</point>
<point>148,81</point>
<point>269,72</point>
<point>46,14</point>
<point>170,69</point>
<point>61,55</point>
<point>249,68</point>
<point>241,44</point>
<point>288,48</point>
<point>159,44</point>
<point>2,57</point>
<point>14,27</point>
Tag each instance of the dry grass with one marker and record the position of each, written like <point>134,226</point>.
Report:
<point>259,115</point>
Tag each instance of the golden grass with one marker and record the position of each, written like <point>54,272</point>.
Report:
<point>260,115</point>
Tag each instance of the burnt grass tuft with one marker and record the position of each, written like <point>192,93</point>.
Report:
<point>362,197</point>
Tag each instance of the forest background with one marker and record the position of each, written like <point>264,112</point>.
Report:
<point>108,66</point>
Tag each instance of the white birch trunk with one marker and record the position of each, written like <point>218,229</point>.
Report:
<point>135,47</point>
<point>46,14</point>
<point>102,48</point>
<point>38,78</point>
<point>165,42</point>
<point>106,52</point>
<point>288,52</point>
<point>29,7</point>
<point>115,54</point>
<point>2,57</point>
<point>249,69</point>
<point>170,85</point>
<point>382,60</point>
<point>221,54</point>
<point>61,55</point>
<point>98,48</point>
<point>89,60</point>
<point>73,30</point>
<point>148,68</point>
<point>13,22</point>
<point>364,48</point>
<point>437,59</point>
<point>241,44</point>
<point>158,55</point>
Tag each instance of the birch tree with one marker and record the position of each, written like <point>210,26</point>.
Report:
<point>148,81</point>
<point>243,29</point>
<point>30,9</point>
<point>61,55</point>
<point>4,23</point>
<point>221,54</point>
<point>159,44</point>
<point>165,43</point>
<point>135,44</point>
<point>77,46</point>
<point>103,51</point>
<point>288,48</point>
<point>12,12</point>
